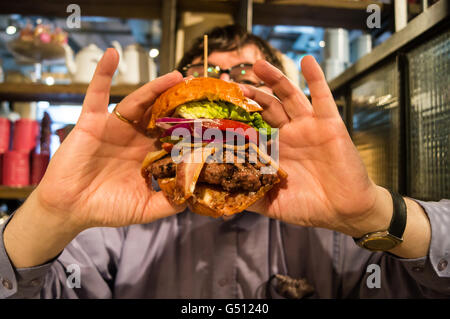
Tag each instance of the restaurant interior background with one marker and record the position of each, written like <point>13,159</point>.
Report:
<point>390,77</point>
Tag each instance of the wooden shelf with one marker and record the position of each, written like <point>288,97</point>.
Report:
<point>326,13</point>
<point>149,9</point>
<point>61,93</point>
<point>347,4</point>
<point>7,192</point>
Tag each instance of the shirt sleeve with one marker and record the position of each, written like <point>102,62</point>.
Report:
<point>365,274</point>
<point>85,269</point>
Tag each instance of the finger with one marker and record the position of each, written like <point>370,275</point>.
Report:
<point>273,112</point>
<point>134,106</point>
<point>159,207</point>
<point>321,96</point>
<point>294,102</point>
<point>97,94</point>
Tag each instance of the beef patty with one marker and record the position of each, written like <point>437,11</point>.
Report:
<point>232,177</point>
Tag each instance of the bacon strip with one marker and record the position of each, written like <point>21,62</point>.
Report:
<point>188,171</point>
<point>269,160</point>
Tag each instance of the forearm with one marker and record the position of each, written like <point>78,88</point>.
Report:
<point>34,236</point>
<point>417,235</point>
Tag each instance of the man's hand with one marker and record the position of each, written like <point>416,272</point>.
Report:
<point>328,185</point>
<point>94,177</point>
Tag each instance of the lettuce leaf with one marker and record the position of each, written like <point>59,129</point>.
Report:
<point>222,110</point>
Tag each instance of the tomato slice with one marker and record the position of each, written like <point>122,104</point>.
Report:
<point>223,124</point>
<point>167,147</point>
<point>234,126</point>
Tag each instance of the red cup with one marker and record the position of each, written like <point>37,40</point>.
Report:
<point>16,168</point>
<point>26,132</point>
<point>1,168</point>
<point>39,163</point>
<point>5,129</point>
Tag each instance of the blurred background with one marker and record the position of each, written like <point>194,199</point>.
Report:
<point>386,61</point>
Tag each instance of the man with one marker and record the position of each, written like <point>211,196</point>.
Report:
<point>93,215</point>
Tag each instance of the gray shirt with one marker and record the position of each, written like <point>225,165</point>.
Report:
<point>192,256</point>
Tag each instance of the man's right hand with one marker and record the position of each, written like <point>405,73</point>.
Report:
<point>94,177</point>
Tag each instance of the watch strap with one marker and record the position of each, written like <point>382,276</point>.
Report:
<point>398,221</point>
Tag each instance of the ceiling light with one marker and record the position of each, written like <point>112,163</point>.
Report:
<point>43,105</point>
<point>49,80</point>
<point>154,53</point>
<point>11,30</point>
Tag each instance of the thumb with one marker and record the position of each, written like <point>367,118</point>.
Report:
<point>159,207</point>
<point>97,95</point>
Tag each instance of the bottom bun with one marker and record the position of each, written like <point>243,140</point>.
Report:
<point>208,200</point>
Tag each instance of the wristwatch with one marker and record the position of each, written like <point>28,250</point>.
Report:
<point>387,239</point>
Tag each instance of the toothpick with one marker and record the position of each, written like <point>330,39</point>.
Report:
<point>205,58</point>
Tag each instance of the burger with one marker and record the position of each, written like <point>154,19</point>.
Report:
<point>218,169</point>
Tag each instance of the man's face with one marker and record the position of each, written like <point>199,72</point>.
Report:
<point>225,60</point>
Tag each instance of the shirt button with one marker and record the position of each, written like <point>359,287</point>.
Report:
<point>442,264</point>
<point>222,282</point>
<point>418,269</point>
<point>35,283</point>
<point>7,284</point>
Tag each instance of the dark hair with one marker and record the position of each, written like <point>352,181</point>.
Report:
<point>230,38</point>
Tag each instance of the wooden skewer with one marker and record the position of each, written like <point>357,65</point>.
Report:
<point>205,58</point>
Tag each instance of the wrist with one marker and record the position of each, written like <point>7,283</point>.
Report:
<point>417,233</point>
<point>377,218</point>
<point>35,235</point>
<point>42,212</point>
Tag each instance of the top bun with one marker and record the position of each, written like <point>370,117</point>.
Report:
<point>199,89</point>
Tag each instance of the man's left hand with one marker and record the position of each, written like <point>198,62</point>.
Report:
<point>328,185</point>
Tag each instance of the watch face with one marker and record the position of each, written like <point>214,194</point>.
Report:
<point>380,243</point>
